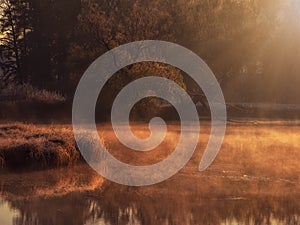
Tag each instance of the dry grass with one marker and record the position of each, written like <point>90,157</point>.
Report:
<point>36,146</point>
<point>31,94</point>
<point>259,151</point>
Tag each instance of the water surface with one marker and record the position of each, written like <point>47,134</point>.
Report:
<point>254,180</point>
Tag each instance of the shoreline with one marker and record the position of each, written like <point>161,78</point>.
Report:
<point>252,145</point>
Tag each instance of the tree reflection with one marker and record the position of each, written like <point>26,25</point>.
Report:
<point>115,204</point>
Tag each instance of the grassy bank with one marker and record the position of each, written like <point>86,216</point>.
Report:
<point>251,149</point>
<point>29,146</point>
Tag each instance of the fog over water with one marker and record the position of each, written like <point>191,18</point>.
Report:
<point>254,180</point>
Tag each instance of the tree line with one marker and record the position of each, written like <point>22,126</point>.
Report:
<point>255,43</point>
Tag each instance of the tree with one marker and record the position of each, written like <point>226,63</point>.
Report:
<point>53,23</point>
<point>14,25</point>
<point>105,24</point>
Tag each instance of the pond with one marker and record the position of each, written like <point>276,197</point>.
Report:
<point>254,180</point>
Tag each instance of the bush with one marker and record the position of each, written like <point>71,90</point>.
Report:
<point>29,93</point>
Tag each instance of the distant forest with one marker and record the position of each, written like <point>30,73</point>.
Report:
<point>253,46</point>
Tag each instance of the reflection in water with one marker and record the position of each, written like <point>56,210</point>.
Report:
<point>7,214</point>
<point>81,209</point>
<point>242,187</point>
<point>164,203</point>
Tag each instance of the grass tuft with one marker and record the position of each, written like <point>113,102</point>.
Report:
<point>37,146</point>
<point>28,93</point>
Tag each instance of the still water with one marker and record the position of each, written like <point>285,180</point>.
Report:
<point>59,199</point>
<point>254,181</point>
